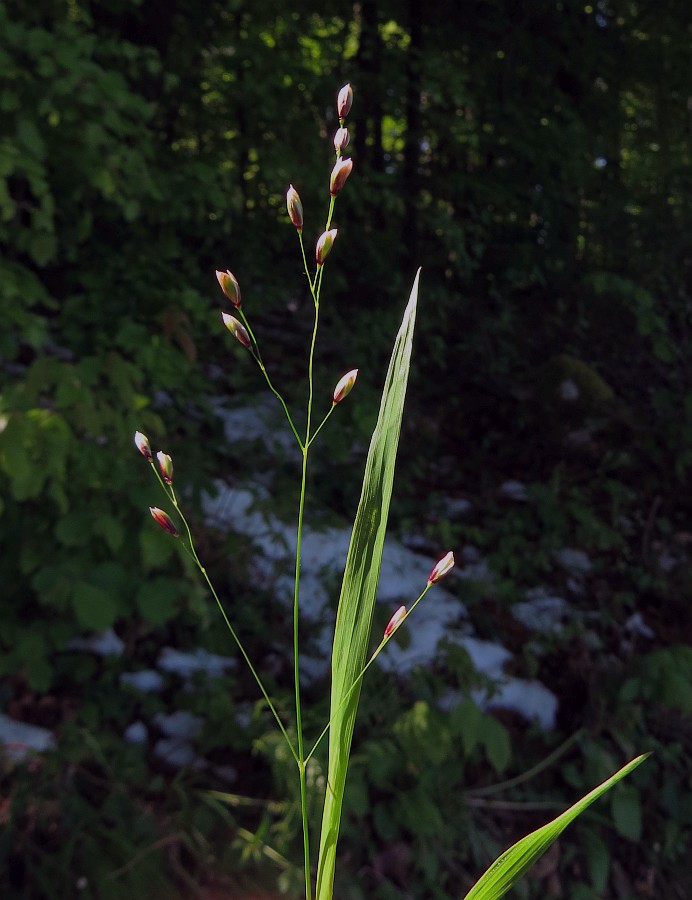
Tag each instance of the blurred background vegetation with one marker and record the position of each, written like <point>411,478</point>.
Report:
<point>534,159</point>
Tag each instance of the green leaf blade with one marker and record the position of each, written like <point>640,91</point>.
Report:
<point>518,859</point>
<point>359,587</point>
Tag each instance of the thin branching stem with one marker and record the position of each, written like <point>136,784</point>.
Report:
<point>192,553</point>
<point>322,424</point>
<point>254,350</point>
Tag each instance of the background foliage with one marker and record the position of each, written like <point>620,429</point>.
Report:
<point>535,160</point>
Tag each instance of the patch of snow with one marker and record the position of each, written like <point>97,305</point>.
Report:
<point>249,510</point>
<point>667,562</point>
<point>313,667</point>
<point>225,773</point>
<point>575,562</point>
<point>147,680</point>
<point>531,699</point>
<point>403,575</point>
<point>176,752</point>
<point>419,647</point>
<point>636,625</point>
<point>136,733</point>
<point>580,437</point>
<point>487,657</point>
<point>107,643</point>
<point>264,420</point>
<point>541,611</point>
<point>180,724</point>
<point>20,739</point>
<point>569,390</point>
<point>457,507</point>
<point>477,572</point>
<point>187,664</point>
<point>514,490</point>
<point>180,729</point>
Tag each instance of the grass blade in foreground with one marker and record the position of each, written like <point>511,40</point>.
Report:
<point>509,868</point>
<point>359,586</point>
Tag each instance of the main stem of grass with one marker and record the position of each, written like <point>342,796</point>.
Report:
<point>296,609</point>
<point>296,670</point>
<point>315,288</point>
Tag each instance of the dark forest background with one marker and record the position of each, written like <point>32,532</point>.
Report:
<point>534,159</point>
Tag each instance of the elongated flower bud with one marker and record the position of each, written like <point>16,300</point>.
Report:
<point>295,207</point>
<point>324,245</point>
<point>142,444</point>
<point>341,139</point>
<point>164,520</point>
<point>166,466</point>
<point>237,329</point>
<point>344,101</point>
<point>230,287</point>
<point>442,567</point>
<point>340,172</point>
<point>395,621</point>
<point>345,385</point>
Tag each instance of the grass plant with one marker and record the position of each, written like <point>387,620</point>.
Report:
<point>352,635</point>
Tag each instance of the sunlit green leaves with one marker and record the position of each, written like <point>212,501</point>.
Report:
<point>361,575</point>
<point>516,861</point>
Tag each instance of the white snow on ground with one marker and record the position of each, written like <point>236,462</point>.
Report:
<point>187,664</point>
<point>404,574</point>
<point>21,739</point>
<point>541,611</point>
<point>105,643</point>
<point>147,680</point>
<point>179,728</point>
<point>531,698</point>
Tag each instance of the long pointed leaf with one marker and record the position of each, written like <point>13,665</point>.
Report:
<point>509,868</point>
<point>359,586</point>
